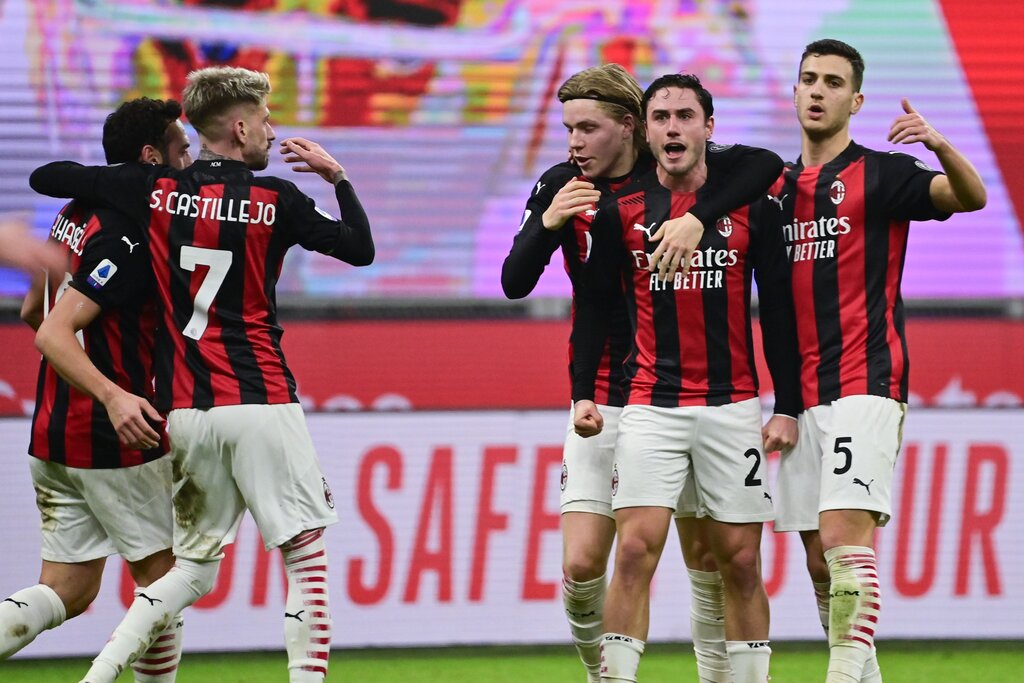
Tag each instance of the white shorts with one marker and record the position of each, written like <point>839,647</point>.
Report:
<point>586,482</point>
<point>88,514</point>
<point>719,448</point>
<point>232,458</point>
<point>843,460</point>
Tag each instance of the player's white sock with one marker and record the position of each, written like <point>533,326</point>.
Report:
<point>584,607</point>
<point>159,664</point>
<point>152,611</point>
<point>26,614</point>
<point>707,624</point>
<point>821,592</point>
<point>872,673</point>
<point>854,606</point>
<point>749,660</point>
<point>620,657</point>
<point>307,614</point>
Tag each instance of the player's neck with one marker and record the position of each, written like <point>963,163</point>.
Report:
<point>213,152</point>
<point>691,181</point>
<point>819,151</point>
<point>623,165</point>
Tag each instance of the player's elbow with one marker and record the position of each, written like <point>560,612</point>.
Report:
<point>512,288</point>
<point>44,338</point>
<point>31,314</point>
<point>363,257</point>
<point>976,201</point>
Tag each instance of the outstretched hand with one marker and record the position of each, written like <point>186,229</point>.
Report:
<point>911,127</point>
<point>310,157</point>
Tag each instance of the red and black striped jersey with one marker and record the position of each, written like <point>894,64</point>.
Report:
<point>692,344</point>
<point>845,225</point>
<point>534,244</point>
<point>108,264</point>
<point>217,236</point>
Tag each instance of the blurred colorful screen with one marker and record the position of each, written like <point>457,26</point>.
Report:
<point>444,111</point>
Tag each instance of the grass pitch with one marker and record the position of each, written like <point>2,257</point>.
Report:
<point>902,662</point>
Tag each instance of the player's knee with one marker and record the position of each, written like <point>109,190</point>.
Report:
<point>583,566</point>
<point>200,576</point>
<point>637,556</point>
<point>77,598</point>
<point>743,569</point>
<point>149,569</point>
<point>77,585</point>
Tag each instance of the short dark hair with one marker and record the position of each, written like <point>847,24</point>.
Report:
<point>831,46</point>
<point>684,82</point>
<point>135,124</point>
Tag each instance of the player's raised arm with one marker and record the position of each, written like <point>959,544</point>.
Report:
<point>122,186</point>
<point>349,239</point>
<point>534,243</point>
<point>961,189</point>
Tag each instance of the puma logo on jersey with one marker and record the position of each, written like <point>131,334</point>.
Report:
<point>768,496</point>
<point>19,604</point>
<point>294,616</point>
<point>131,247</point>
<point>778,200</point>
<point>867,486</point>
<point>540,186</point>
<point>590,212</point>
<point>649,231</point>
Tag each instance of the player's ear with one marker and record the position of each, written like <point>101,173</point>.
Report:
<point>151,155</point>
<point>628,126</point>
<point>858,102</point>
<point>709,127</point>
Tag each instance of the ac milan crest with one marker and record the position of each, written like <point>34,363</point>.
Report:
<point>328,496</point>
<point>565,476</point>
<point>837,193</point>
<point>724,226</point>
<point>615,479</point>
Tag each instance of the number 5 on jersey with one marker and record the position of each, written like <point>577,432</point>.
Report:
<point>218,261</point>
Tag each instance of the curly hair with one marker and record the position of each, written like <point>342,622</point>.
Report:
<point>135,124</point>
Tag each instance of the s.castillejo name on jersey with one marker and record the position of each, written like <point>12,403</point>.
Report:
<point>706,268</point>
<point>217,208</point>
<point>67,232</point>
<point>809,240</point>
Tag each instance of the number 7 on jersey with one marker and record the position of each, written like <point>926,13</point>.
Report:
<point>219,262</point>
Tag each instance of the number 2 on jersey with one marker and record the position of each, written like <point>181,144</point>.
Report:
<point>218,261</point>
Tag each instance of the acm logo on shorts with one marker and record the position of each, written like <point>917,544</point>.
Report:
<point>565,476</point>
<point>328,496</point>
<point>615,480</point>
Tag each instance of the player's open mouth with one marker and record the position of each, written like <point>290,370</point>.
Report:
<point>816,111</point>
<point>674,150</point>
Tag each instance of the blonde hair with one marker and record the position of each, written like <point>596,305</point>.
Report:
<point>614,89</point>
<point>211,92</point>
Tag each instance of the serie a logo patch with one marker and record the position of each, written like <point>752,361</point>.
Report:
<point>101,274</point>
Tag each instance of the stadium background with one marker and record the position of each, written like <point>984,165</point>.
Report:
<point>440,407</point>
